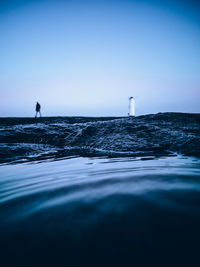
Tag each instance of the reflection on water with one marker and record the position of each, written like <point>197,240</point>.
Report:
<point>99,212</point>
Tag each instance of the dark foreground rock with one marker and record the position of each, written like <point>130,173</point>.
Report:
<point>155,135</point>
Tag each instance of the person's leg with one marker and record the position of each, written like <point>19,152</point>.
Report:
<point>40,114</point>
<point>36,114</point>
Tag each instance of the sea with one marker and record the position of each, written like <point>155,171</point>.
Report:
<point>106,191</point>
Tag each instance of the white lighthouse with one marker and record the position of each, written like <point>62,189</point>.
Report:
<point>131,106</point>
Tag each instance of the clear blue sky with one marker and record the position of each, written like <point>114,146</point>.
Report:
<point>87,57</point>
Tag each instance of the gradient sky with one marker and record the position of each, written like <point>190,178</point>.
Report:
<point>87,57</point>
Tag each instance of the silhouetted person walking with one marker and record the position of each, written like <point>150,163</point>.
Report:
<point>37,108</point>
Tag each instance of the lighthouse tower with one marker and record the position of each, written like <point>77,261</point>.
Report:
<point>131,106</point>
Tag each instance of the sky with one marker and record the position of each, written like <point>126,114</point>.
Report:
<point>86,58</point>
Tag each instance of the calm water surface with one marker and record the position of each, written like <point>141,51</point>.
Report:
<point>101,212</point>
